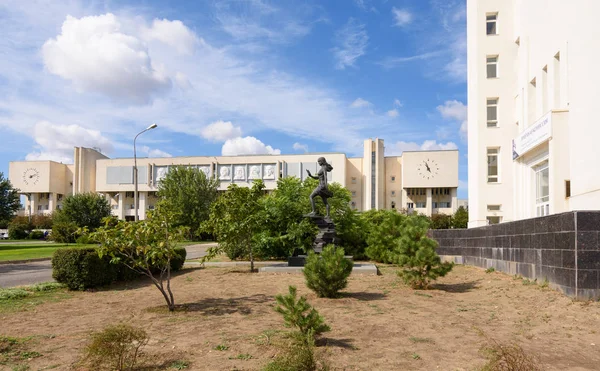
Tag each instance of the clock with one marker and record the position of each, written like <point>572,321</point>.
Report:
<point>31,176</point>
<point>428,169</point>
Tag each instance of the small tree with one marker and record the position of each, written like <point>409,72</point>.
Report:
<point>460,218</point>
<point>326,274</point>
<point>234,218</point>
<point>147,247</point>
<point>295,314</point>
<point>415,254</point>
<point>85,210</point>
<point>64,230</point>
<point>384,232</point>
<point>9,199</point>
<point>441,221</point>
<point>188,190</point>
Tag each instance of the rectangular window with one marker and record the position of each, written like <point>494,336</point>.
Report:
<point>59,197</point>
<point>542,190</point>
<point>410,205</point>
<point>393,193</point>
<point>393,205</point>
<point>353,180</point>
<point>39,207</point>
<point>393,178</point>
<point>492,66</point>
<point>353,204</point>
<point>493,207</point>
<point>446,205</point>
<point>353,193</point>
<point>59,207</point>
<point>494,219</point>
<point>492,112</point>
<point>567,188</point>
<point>150,207</point>
<point>129,195</point>
<point>491,20</point>
<point>421,205</point>
<point>492,160</point>
<point>435,205</point>
<point>115,207</point>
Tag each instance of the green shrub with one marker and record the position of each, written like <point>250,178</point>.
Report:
<point>36,235</point>
<point>416,256</point>
<point>46,286</point>
<point>85,239</point>
<point>81,269</point>
<point>179,259</point>
<point>294,314</point>
<point>116,346</point>
<point>384,227</point>
<point>17,230</point>
<point>64,231</point>
<point>326,274</point>
<point>441,221</point>
<point>13,293</point>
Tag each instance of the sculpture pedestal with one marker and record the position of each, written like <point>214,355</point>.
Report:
<point>325,237</point>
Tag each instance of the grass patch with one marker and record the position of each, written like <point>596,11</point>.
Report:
<point>490,270</point>
<point>14,350</point>
<point>179,365</point>
<point>243,356</point>
<point>23,298</point>
<point>221,347</point>
<point>424,295</point>
<point>28,251</point>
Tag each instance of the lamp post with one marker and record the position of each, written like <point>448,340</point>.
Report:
<point>135,171</point>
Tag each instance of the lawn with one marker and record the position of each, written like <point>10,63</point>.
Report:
<point>225,320</point>
<point>35,250</point>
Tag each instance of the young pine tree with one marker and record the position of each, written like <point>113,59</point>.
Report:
<point>295,315</point>
<point>327,273</point>
<point>416,256</point>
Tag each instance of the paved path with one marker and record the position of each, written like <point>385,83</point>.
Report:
<point>35,272</point>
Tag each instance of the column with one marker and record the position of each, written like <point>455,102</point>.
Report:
<point>32,204</point>
<point>142,201</point>
<point>453,194</point>
<point>429,204</point>
<point>51,202</point>
<point>121,209</point>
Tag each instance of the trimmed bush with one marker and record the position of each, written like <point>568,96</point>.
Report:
<point>177,262</point>
<point>18,231</point>
<point>36,235</point>
<point>326,274</point>
<point>64,231</point>
<point>81,269</point>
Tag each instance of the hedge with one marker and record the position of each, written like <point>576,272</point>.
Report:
<point>82,269</point>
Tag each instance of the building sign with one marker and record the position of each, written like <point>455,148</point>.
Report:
<point>537,133</point>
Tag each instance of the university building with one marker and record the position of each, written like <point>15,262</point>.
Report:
<point>532,100</point>
<point>424,181</point>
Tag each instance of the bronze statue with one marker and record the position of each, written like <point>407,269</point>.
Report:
<point>321,189</point>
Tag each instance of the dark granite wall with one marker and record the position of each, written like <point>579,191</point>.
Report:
<point>562,248</point>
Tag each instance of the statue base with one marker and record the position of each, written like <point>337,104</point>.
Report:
<point>325,237</point>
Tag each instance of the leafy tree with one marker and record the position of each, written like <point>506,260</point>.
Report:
<point>189,191</point>
<point>384,232</point>
<point>42,221</point>
<point>19,228</point>
<point>441,221</point>
<point>85,210</point>
<point>415,253</point>
<point>234,218</point>
<point>327,273</point>
<point>147,247</point>
<point>9,199</point>
<point>460,218</point>
<point>64,230</point>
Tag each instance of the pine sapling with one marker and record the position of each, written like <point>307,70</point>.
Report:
<point>295,314</point>
<point>326,274</point>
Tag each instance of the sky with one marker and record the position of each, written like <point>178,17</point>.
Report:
<point>228,77</point>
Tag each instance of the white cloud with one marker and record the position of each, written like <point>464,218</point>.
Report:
<point>172,33</point>
<point>154,152</point>
<point>97,56</point>
<point>300,147</point>
<point>352,40</point>
<point>247,146</point>
<point>456,111</point>
<point>397,148</point>
<point>397,103</point>
<point>360,103</point>
<point>391,62</point>
<point>220,131</point>
<point>56,142</point>
<point>402,17</point>
<point>392,113</point>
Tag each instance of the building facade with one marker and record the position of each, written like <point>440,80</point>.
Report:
<point>424,181</point>
<point>532,95</point>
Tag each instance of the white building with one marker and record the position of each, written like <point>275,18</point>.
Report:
<point>424,181</point>
<point>533,91</point>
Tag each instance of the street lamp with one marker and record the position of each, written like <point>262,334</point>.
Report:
<point>135,171</point>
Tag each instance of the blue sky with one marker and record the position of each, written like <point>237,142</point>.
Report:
<point>231,77</point>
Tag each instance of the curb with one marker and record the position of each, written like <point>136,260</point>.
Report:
<point>24,261</point>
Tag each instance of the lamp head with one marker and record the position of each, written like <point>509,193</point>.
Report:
<point>151,126</point>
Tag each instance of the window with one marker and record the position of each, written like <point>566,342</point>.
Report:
<point>492,66</point>
<point>353,204</point>
<point>150,207</point>
<point>353,193</point>
<point>115,207</point>
<point>493,207</point>
<point>567,188</point>
<point>393,193</point>
<point>494,219</point>
<point>393,205</point>
<point>491,20</point>
<point>492,160</point>
<point>446,205</point>
<point>435,205</point>
<point>39,207</point>
<point>492,112</point>
<point>59,207</point>
<point>353,180</point>
<point>542,190</point>
<point>128,194</point>
<point>421,205</point>
<point>132,206</point>
<point>410,205</point>
<point>59,197</point>
<point>393,178</point>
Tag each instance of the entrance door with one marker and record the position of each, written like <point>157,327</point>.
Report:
<point>542,189</point>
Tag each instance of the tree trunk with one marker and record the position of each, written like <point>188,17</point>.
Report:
<point>172,304</point>
<point>251,259</point>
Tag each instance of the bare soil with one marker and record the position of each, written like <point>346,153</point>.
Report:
<point>378,323</point>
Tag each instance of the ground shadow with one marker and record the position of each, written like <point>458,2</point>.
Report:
<point>142,281</point>
<point>340,343</point>
<point>456,287</point>
<point>363,296</point>
<point>224,306</point>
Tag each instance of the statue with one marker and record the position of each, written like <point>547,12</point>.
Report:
<point>322,189</point>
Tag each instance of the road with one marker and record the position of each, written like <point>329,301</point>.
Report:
<point>19,274</point>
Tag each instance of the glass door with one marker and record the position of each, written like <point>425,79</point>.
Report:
<point>542,190</point>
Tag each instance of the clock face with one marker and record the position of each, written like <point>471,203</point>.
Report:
<point>428,169</point>
<point>31,176</point>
